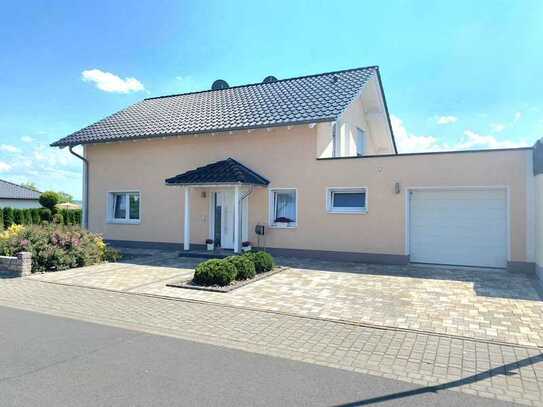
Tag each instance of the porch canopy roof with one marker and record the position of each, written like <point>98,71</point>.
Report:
<point>225,172</point>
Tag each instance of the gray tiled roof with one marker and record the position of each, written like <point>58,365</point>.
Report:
<point>227,171</point>
<point>299,100</point>
<point>9,190</point>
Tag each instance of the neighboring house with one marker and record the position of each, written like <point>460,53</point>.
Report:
<point>17,196</point>
<point>314,160</point>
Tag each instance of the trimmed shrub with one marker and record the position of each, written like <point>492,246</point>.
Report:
<point>77,216</point>
<point>1,220</point>
<point>263,261</point>
<point>214,272</point>
<point>8,217</point>
<point>245,268</point>
<point>27,217</point>
<point>18,216</point>
<point>49,199</point>
<point>58,218</point>
<point>111,254</point>
<point>46,215</point>
<point>36,219</point>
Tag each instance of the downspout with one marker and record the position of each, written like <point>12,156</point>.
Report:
<point>85,187</point>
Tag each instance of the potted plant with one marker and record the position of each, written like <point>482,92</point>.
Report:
<point>246,246</point>
<point>282,221</point>
<point>210,243</point>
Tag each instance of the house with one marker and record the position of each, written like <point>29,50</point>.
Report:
<point>18,196</point>
<point>311,159</point>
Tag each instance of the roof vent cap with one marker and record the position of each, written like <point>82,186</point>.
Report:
<point>269,79</point>
<point>219,84</point>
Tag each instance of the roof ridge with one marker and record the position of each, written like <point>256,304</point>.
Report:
<point>20,186</point>
<point>376,67</point>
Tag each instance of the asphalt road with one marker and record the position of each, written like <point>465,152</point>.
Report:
<point>51,361</point>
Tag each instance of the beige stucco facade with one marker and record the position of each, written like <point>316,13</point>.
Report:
<point>287,157</point>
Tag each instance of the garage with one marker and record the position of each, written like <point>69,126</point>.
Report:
<point>466,227</point>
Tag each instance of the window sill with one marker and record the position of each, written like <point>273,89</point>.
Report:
<point>124,222</point>
<point>276,226</point>
<point>348,212</point>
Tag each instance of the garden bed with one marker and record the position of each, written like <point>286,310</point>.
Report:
<point>225,289</point>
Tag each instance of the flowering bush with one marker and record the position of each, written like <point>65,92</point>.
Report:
<point>56,247</point>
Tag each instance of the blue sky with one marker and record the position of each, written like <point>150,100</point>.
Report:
<point>457,75</point>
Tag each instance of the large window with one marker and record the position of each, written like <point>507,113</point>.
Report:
<point>347,200</point>
<point>283,207</point>
<point>336,142</point>
<point>124,207</point>
<point>360,141</point>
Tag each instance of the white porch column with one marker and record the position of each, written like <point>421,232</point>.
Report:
<point>186,224</point>
<point>236,220</point>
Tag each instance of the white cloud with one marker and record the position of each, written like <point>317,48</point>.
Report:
<point>518,116</point>
<point>497,127</point>
<point>8,148</point>
<point>109,82</point>
<point>27,139</point>
<point>411,143</point>
<point>4,167</point>
<point>447,119</point>
<point>473,140</point>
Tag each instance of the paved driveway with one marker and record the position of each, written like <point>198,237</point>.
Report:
<point>484,304</point>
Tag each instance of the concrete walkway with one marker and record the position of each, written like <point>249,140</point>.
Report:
<point>491,305</point>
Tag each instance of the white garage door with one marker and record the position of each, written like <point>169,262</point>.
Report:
<point>459,227</point>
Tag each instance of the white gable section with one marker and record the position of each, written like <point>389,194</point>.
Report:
<point>368,113</point>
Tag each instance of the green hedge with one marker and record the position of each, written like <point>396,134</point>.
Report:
<point>214,272</point>
<point>263,261</point>
<point>36,216</point>
<point>222,272</point>
<point>245,267</point>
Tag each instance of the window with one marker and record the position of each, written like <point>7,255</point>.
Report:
<point>347,200</point>
<point>336,145</point>
<point>360,141</point>
<point>283,207</point>
<point>124,207</point>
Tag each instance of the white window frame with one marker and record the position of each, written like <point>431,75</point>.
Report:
<point>336,142</point>
<point>354,210</point>
<point>271,208</point>
<point>110,209</point>
<point>363,136</point>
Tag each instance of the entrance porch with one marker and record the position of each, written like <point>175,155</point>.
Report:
<point>228,184</point>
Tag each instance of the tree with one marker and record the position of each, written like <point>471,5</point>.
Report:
<point>18,217</point>
<point>30,185</point>
<point>1,220</point>
<point>64,197</point>
<point>49,199</point>
<point>27,217</point>
<point>36,216</point>
<point>8,217</point>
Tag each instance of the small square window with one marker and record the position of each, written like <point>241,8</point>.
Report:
<point>347,200</point>
<point>283,207</point>
<point>124,207</point>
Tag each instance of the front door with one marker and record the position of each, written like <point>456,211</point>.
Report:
<point>224,205</point>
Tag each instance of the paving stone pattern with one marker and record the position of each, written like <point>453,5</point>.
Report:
<point>488,370</point>
<point>484,304</point>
